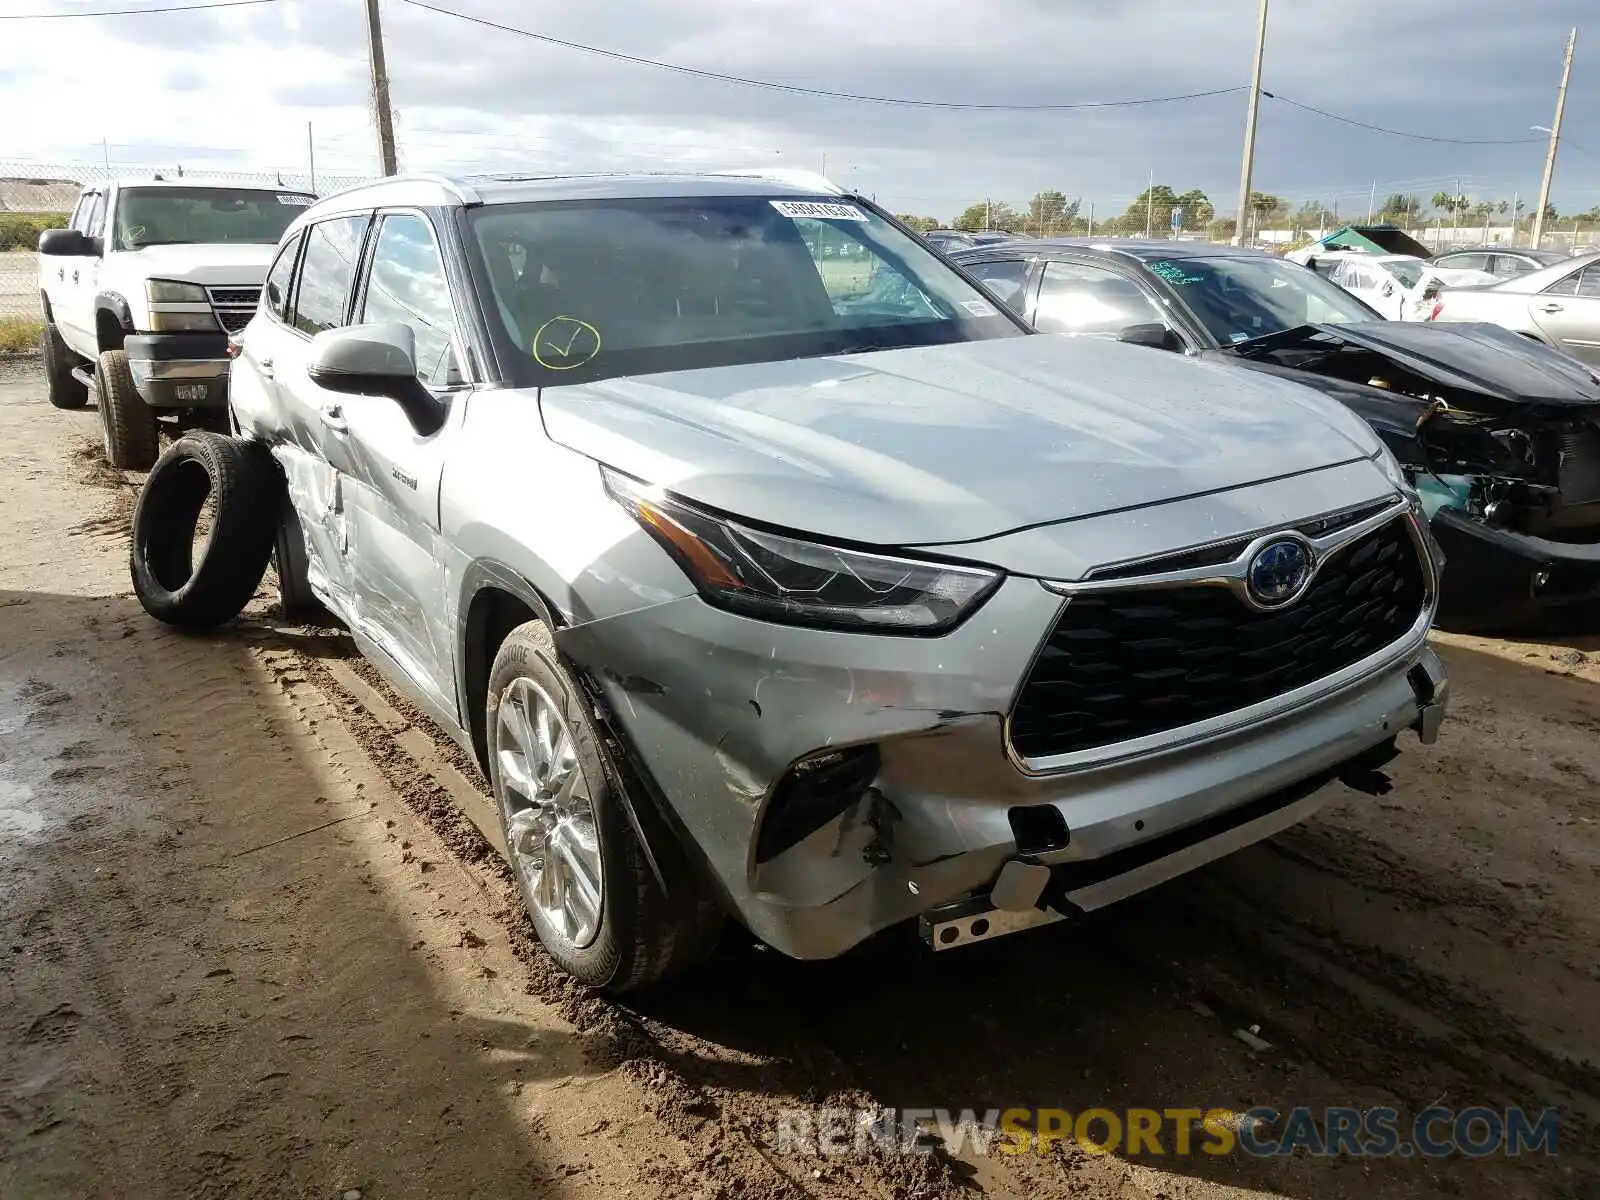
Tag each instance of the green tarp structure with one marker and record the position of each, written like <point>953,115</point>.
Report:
<point>1376,239</point>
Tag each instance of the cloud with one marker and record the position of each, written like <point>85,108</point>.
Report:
<point>468,96</point>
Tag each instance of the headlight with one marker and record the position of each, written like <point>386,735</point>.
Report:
<point>781,578</point>
<point>167,291</point>
<point>181,322</point>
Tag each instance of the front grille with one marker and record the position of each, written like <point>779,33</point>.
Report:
<point>234,306</point>
<point>1580,466</point>
<point>1128,664</point>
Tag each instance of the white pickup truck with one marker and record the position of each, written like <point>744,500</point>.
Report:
<point>140,293</point>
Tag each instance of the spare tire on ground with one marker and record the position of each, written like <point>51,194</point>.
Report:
<point>194,584</point>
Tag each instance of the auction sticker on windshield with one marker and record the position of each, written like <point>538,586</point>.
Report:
<point>296,201</point>
<point>819,210</point>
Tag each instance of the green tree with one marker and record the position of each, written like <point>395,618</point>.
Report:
<point>1151,209</point>
<point>1222,230</point>
<point>1310,215</point>
<point>1400,208</point>
<point>1050,213</point>
<point>989,214</point>
<point>921,224</point>
<point>1198,211</point>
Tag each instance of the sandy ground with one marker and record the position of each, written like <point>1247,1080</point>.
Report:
<point>252,943</point>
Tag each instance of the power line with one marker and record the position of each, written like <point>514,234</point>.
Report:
<point>796,89</point>
<point>1419,137</point>
<point>131,12</point>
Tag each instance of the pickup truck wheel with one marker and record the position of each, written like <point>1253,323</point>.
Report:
<point>129,425</point>
<point>583,874</point>
<point>62,389</point>
<point>239,485</point>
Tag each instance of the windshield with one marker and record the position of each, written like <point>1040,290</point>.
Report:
<point>167,216</point>
<point>1237,299</point>
<point>593,289</point>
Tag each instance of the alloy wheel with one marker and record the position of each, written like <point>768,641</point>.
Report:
<point>548,805</point>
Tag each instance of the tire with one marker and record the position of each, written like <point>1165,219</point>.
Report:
<point>128,423</point>
<point>641,936</point>
<point>62,389</point>
<point>248,489</point>
<point>297,601</point>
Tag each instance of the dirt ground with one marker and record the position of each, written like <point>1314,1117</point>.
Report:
<point>253,943</point>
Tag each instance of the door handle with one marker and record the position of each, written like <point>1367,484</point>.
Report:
<point>264,365</point>
<point>1552,308</point>
<point>74,277</point>
<point>333,418</point>
<point>61,272</point>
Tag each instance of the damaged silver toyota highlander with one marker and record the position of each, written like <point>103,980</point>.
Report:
<point>768,568</point>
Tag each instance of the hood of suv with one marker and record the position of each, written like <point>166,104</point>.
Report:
<point>243,264</point>
<point>953,443</point>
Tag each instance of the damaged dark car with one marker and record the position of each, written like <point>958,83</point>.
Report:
<point>1500,435</point>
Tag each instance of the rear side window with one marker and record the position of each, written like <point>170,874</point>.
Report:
<point>1007,279</point>
<point>1465,262</point>
<point>95,219</point>
<point>333,249</point>
<point>276,294</point>
<point>1080,298</point>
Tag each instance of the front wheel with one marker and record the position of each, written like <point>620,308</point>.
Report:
<point>583,874</point>
<point>126,420</point>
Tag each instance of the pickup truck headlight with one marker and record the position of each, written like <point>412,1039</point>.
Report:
<point>182,322</point>
<point>799,582</point>
<point>171,291</point>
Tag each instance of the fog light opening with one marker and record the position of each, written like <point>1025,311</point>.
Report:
<point>815,790</point>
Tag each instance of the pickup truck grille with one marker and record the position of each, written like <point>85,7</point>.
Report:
<point>1126,664</point>
<point>234,306</point>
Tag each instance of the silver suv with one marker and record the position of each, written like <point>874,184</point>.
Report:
<point>769,567</point>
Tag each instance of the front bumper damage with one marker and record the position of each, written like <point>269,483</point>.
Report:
<point>726,713</point>
<point>1499,576</point>
<point>180,370</point>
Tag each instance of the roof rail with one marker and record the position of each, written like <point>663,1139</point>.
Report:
<point>793,176</point>
<point>461,191</point>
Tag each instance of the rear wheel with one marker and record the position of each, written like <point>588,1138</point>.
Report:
<point>128,423</point>
<point>578,862</point>
<point>62,389</point>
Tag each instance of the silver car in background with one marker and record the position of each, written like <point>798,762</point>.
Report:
<point>769,568</point>
<point>1558,305</point>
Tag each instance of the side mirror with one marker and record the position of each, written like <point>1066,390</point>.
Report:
<point>1153,334</point>
<point>67,243</point>
<point>379,359</point>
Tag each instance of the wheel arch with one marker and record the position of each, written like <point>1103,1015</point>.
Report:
<point>113,320</point>
<point>494,600</point>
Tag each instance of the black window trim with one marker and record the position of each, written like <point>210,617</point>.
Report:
<point>298,242</point>
<point>1030,278</point>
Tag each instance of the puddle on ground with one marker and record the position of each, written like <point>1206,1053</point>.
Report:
<point>15,820</point>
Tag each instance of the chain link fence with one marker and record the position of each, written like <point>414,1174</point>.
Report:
<point>37,196</point>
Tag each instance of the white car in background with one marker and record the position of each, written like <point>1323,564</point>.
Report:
<point>1401,286</point>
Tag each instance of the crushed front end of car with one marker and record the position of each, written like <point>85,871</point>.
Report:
<point>1498,434</point>
<point>1061,745</point>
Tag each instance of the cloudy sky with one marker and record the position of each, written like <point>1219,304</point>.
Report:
<point>237,87</point>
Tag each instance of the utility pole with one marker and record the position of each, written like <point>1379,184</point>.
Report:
<point>1149,199</point>
<point>1250,128</point>
<point>105,148</point>
<point>1372,202</point>
<point>311,156</point>
<point>1555,138</point>
<point>380,90</point>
